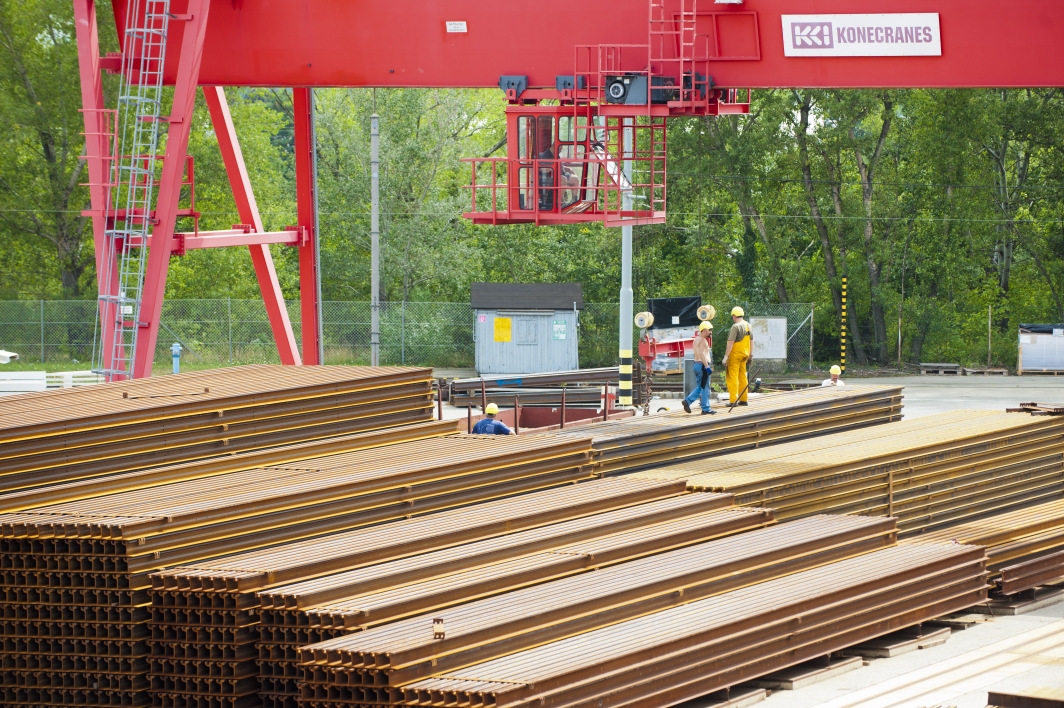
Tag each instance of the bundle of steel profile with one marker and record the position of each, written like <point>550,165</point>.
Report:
<point>223,464</point>
<point>928,472</point>
<point>204,616</point>
<point>80,569</point>
<point>649,441</point>
<point>708,645</point>
<point>504,397</point>
<point>1024,547</point>
<point>379,659</point>
<point>67,434</point>
<point>607,374</point>
<point>305,613</point>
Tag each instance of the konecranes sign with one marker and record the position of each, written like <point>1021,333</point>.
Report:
<point>914,34</point>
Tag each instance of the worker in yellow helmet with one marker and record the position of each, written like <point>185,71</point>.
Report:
<point>490,426</point>
<point>737,356</point>
<point>702,349</point>
<point>836,372</point>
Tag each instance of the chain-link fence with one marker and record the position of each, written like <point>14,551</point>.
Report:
<point>221,332</point>
<point>799,329</point>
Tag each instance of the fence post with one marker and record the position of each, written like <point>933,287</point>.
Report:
<point>42,331</point>
<point>229,313</point>
<point>402,333</point>
<point>812,319</point>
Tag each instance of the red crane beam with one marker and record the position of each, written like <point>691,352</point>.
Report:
<point>406,43</point>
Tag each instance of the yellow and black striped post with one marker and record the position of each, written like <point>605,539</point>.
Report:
<point>842,331</point>
<point>624,381</point>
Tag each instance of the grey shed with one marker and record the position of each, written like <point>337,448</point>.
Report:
<point>526,328</point>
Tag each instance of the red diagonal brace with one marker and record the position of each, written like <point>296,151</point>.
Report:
<point>248,210</point>
<point>188,67</point>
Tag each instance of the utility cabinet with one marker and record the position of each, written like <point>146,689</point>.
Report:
<point>526,328</point>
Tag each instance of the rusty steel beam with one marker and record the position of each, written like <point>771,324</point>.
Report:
<point>1025,547</point>
<point>398,653</point>
<point>698,647</point>
<point>80,569</point>
<point>315,610</point>
<point>649,441</point>
<point>64,435</point>
<point>929,473</point>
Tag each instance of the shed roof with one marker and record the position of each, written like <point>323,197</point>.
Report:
<point>526,296</point>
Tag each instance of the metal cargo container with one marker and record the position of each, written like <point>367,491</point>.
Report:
<point>1041,348</point>
<point>526,328</point>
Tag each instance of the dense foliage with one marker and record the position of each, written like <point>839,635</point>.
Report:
<point>936,205</point>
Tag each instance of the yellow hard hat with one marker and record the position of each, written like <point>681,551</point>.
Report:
<point>704,326</point>
<point>836,370</point>
<point>737,312</point>
<point>492,409</point>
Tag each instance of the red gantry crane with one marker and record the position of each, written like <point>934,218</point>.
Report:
<point>590,87</point>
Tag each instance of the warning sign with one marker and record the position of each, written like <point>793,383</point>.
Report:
<point>503,329</point>
<point>559,329</point>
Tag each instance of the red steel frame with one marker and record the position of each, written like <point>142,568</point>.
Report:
<point>408,43</point>
<point>165,241</point>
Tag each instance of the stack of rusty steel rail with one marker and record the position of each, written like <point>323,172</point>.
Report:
<point>383,664</point>
<point>928,472</point>
<point>295,615</point>
<point>583,388</point>
<point>204,616</point>
<point>639,443</point>
<point>75,433</point>
<point>79,570</point>
<point>661,658</point>
<point>222,464</point>
<point>1024,548</point>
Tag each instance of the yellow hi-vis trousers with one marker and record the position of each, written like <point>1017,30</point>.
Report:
<point>736,371</point>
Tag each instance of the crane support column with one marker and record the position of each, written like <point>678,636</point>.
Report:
<point>188,69</point>
<point>375,241</point>
<point>248,209</point>
<point>307,209</point>
<point>624,383</point>
<point>97,150</point>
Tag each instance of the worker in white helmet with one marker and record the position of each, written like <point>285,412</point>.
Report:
<point>703,354</point>
<point>737,356</point>
<point>490,426</point>
<point>836,372</point>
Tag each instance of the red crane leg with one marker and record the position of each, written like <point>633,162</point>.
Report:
<point>305,206</point>
<point>190,55</point>
<point>97,151</point>
<point>248,209</point>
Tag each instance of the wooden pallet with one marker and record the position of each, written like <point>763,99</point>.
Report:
<point>941,369</point>
<point>986,372</point>
<point>1039,372</point>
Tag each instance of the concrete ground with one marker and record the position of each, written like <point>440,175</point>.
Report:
<point>926,395</point>
<point>1010,653</point>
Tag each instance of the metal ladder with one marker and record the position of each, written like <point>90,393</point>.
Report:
<point>133,176</point>
<point>676,33</point>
